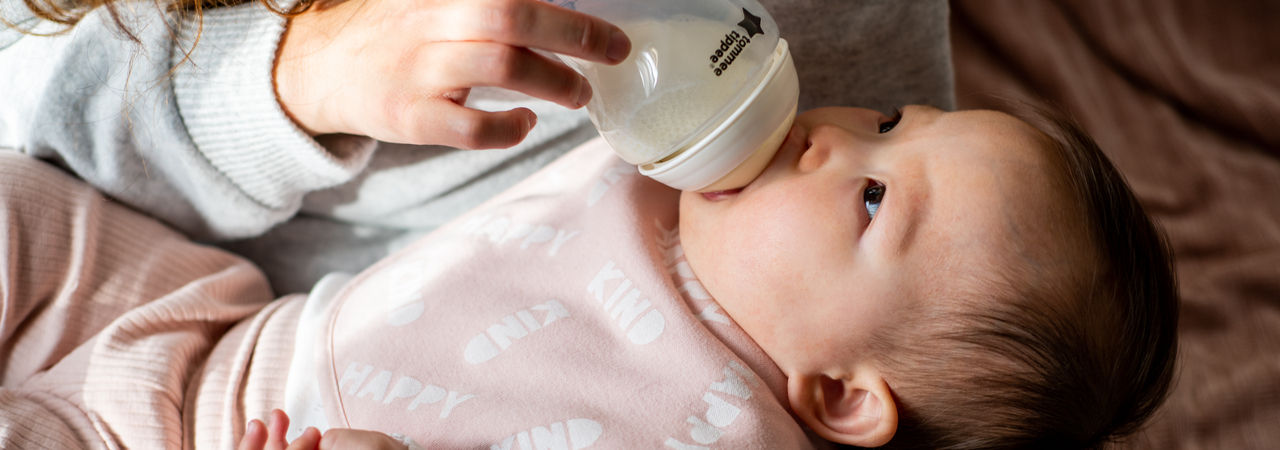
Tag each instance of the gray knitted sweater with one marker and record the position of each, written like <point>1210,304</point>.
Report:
<point>207,149</point>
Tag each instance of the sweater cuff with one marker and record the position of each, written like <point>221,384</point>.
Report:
<point>227,99</point>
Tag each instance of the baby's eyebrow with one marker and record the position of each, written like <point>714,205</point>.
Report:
<point>911,215</point>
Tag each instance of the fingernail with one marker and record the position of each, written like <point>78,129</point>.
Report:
<point>533,120</point>
<point>619,46</point>
<point>253,427</point>
<point>584,93</point>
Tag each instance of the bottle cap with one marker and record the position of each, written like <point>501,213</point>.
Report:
<point>740,147</point>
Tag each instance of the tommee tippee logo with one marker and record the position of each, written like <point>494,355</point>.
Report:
<point>728,49</point>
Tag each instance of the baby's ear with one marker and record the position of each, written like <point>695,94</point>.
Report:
<point>855,409</point>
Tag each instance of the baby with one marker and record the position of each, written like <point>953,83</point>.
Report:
<point>929,280</point>
<point>945,280</point>
<point>934,280</point>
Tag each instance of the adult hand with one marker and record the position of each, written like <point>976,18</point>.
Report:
<point>401,70</point>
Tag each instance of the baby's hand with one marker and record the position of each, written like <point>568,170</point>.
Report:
<point>345,438</point>
<point>270,436</point>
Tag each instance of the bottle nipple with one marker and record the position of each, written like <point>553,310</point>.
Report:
<point>748,170</point>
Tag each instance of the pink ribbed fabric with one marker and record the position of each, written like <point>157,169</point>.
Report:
<point>244,377</point>
<point>109,316</point>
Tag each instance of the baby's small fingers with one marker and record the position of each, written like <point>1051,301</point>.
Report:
<point>255,436</point>
<point>310,440</point>
<point>344,438</point>
<point>277,428</point>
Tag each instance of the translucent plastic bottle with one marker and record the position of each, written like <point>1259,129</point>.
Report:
<point>706,96</point>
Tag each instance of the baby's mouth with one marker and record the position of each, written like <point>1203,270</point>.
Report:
<point>794,138</point>
<point>721,195</point>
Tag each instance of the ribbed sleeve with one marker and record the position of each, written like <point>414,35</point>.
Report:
<point>32,420</point>
<point>106,316</point>
<point>227,100</point>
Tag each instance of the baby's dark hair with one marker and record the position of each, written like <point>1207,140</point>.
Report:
<point>1080,362</point>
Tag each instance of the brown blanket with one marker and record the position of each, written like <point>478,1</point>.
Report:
<point>1185,98</point>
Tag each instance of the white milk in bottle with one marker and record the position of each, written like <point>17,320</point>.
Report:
<point>705,97</point>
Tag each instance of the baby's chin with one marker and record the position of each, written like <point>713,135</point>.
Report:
<point>689,213</point>
<point>700,217</point>
<point>695,221</point>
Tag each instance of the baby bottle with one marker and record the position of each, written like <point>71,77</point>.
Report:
<point>706,96</point>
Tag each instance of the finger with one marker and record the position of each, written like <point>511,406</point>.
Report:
<point>499,65</point>
<point>277,428</point>
<point>255,436</point>
<point>310,440</point>
<point>443,122</point>
<point>537,24</point>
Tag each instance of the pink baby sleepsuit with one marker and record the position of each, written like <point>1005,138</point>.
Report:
<point>560,314</point>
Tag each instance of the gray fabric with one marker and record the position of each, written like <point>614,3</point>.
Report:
<point>878,54</point>
<point>107,114</point>
<point>132,140</point>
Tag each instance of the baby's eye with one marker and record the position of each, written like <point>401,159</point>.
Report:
<point>886,127</point>
<point>871,196</point>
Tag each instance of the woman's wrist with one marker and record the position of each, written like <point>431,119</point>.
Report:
<point>290,75</point>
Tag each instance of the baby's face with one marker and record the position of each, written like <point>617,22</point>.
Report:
<point>849,228</point>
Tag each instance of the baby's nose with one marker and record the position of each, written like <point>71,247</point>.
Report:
<point>830,146</point>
